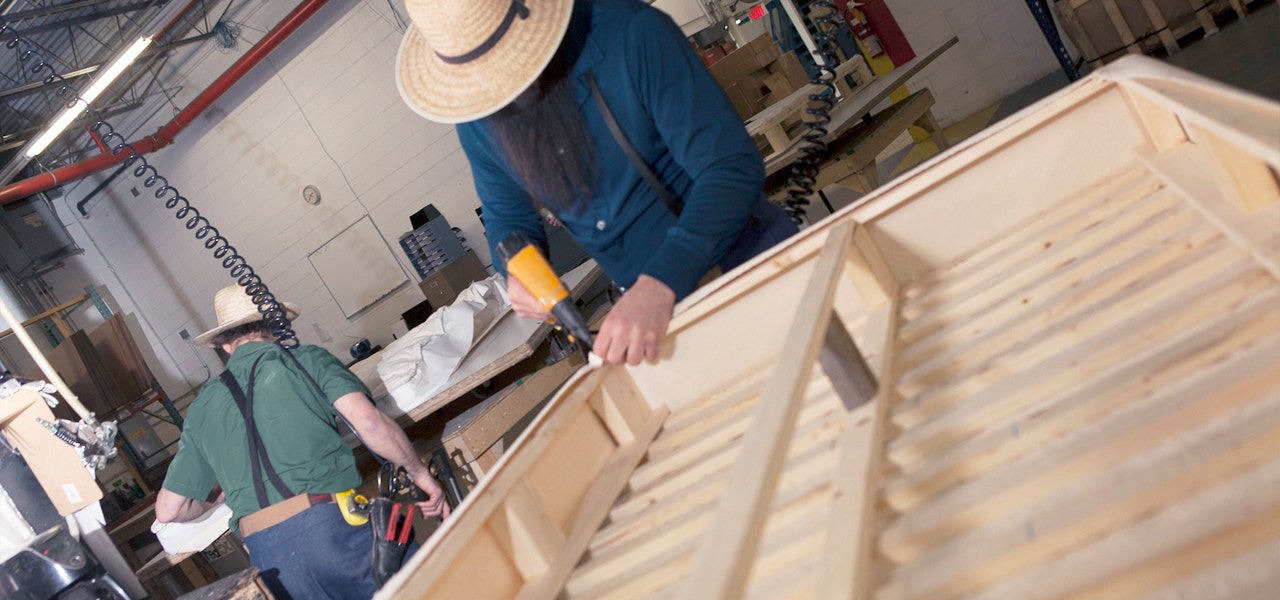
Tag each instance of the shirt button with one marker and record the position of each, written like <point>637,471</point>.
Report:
<point>600,225</point>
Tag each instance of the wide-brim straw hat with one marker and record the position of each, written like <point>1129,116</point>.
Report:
<point>234,308</point>
<point>463,60</point>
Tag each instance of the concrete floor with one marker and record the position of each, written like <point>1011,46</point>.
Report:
<point>1244,53</point>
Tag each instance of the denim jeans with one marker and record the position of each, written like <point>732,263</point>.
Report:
<point>316,554</point>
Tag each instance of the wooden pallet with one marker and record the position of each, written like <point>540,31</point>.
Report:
<point>1104,30</point>
<point>1045,365</point>
<point>779,126</point>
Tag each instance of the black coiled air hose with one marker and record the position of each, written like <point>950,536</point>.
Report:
<point>272,311</point>
<point>813,149</point>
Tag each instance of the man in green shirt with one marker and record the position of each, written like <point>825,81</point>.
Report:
<point>299,540</point>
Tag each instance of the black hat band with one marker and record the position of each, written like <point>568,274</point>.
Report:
<point>517,9</point>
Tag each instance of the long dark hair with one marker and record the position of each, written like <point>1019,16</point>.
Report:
<point>544,137</point>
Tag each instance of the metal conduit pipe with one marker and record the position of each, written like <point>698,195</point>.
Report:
<point>165,135</point>
<point>105,182</point>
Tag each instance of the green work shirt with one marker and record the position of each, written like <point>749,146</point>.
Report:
<point>296,424</point>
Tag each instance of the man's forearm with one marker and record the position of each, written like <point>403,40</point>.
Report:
<point>380,433</point>
<point>390,442</point>
<point>175,508</point>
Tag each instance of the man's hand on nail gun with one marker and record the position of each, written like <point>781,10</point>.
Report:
<point>634,328</point>
<point>524,303</point>
<point>435,504</point>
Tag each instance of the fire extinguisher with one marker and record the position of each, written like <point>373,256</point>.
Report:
<point>862,30</point>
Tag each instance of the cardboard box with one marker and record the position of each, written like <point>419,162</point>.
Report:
<point>83,370</point>
<point>757,75</point>
<point>56,464</point>
<point>789,65</point>
<point>744,107</point>
<point>741,63</point>
<point>775,87</point>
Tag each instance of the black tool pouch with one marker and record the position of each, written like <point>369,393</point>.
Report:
<point>388,555</point>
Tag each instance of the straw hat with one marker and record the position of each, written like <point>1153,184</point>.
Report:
<point>234,307</point>
<point>463,60</point>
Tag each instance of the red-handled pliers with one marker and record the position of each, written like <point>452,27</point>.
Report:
<point>405,526</point>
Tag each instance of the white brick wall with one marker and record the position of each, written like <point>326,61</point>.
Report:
<point>321,110</point>
<point>1000,51</point>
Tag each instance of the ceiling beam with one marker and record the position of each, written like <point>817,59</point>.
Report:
<point>27,88</point>
<point>54,9</point>
<point>73,21</point>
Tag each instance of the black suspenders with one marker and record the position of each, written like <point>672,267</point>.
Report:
<point>620,136</point>
<point>258,460</point>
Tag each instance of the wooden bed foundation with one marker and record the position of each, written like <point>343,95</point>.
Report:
<point>1045,364</point>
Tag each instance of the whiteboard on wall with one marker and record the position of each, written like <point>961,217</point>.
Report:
<point>357,267</point>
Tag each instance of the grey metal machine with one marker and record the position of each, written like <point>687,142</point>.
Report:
<point>54,564</point>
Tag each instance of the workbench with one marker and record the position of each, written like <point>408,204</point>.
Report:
<point>137,524</point>
<point>511,340</point>
<point>855,136</point>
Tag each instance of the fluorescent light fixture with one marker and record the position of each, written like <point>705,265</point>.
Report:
<point>99,85</point>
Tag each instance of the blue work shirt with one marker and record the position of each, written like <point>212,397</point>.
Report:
<point>682,125</point>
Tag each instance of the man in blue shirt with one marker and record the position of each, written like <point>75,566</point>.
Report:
<point>515,74</point>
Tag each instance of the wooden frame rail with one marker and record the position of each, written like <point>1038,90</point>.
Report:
<point>528,524</point>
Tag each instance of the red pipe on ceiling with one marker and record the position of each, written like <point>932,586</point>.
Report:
<point>165,135</point>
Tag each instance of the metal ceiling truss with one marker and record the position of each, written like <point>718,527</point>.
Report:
<point>79,38</point>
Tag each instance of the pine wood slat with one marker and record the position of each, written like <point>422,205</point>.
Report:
<point>1124,491</point>
<point>724,559</point>
<point>1248,575</point>
<point>652,507</point>
<point>669,549</point>
<point>1024,237</point>
<point>972,378</point>
<point>1140,216</point>
<point>1026,340</point>
<point>1001,390</point>
<point>1057,465</point>
<point>589,515</point>
<point>1061,295</point>
<point>1027,242</point>
<point>1136,257</point>
<point>1199,358</point>
<point>1182,168</point>
<point>1163,550</point>
<point>694,417</point>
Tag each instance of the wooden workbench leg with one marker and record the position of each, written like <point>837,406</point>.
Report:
<point>1241,10</point>
<point>1206,19</point>
<point>928,123</point>
<point>778,138</point>
<point>1162,26</point>
<point>1121,26</point>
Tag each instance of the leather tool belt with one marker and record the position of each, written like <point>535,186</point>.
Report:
<point>280,512</point>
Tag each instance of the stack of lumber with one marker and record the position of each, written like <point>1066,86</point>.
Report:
<point>1045,365</point>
